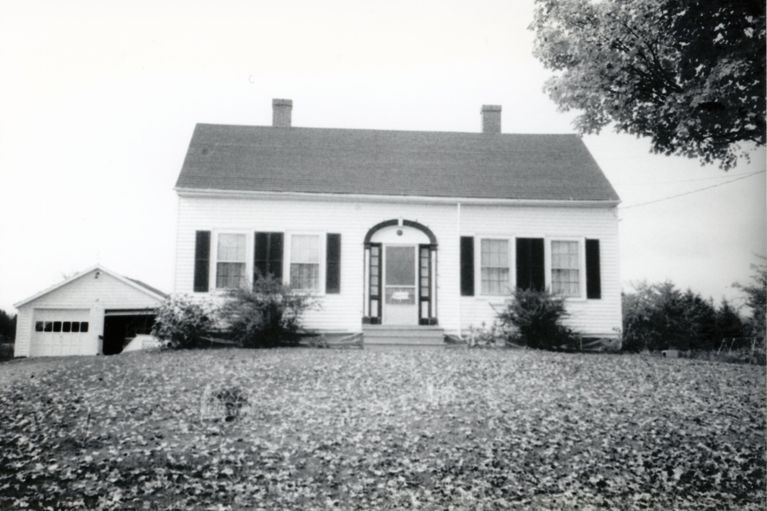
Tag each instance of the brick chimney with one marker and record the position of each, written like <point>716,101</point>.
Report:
<point>281,112</point>
<point>491,118</point>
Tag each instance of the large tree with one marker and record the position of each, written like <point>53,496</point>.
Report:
<point>689,74</point>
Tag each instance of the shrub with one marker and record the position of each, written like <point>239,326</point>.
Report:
<point>183,322</point>
<point>535,317</point>
<point>660,316</point>
<point>6,351</point>
<point>269,315</point>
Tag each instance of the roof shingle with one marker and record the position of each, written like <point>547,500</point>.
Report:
<point>403,163</point>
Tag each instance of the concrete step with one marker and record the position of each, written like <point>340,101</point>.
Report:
<point>403,335</point>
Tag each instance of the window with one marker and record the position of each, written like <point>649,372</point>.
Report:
<point>48,326</point>
<point>75,326</point>
<point>38,326</point>
<point>230,261</point>
<point>305,262</point>
<point>57,326</point>
<point>83,326</point>
<point>67,326</point>
<point>565,268</point>
<point>495,267</point>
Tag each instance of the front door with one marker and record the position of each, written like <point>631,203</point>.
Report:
<point>400,300</point>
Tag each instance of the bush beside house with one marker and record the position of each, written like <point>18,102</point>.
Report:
<point>183,322</point>
<point>534,319</point>
<point>269,315</point>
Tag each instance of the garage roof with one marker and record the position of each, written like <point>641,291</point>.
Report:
<point>145,288</point>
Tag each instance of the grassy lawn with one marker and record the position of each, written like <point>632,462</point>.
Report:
<point>400,429</point>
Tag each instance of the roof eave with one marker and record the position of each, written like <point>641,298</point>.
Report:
<point>325,196</point>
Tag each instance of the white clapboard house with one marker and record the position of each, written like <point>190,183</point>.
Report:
<point>403,235</point>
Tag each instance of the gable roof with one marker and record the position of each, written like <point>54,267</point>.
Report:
<point>149,288</point>
<point>145,288</point>
<point>401,163</point>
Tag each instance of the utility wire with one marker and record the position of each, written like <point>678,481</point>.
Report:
<point>647,203</point>
<point>710,178</point>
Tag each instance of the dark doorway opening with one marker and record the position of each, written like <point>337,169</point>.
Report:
<point>121,327</point>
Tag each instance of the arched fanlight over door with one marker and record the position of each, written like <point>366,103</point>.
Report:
<point>387,296</point>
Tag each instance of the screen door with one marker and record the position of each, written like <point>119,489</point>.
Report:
<point>400,300</point>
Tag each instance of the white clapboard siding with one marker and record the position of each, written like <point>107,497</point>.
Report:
<point>601,317</point>
<point>352,219</point>
<point>24,328</point>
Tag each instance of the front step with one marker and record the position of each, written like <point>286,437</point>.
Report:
<point>395,335</point>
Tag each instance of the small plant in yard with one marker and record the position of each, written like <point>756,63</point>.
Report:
<point>183,322</point>
<point>484,336</point>
<point>534,318</point>
<point>269,315</point>
<point>223,402</point>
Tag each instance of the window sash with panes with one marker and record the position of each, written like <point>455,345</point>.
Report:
<point>565,268</point>
<point>63,326</point>
<point>375,280</point>
<point>305,262</point>
<point>494,266</point>
<point>230,261</point>
<point>425,259</point>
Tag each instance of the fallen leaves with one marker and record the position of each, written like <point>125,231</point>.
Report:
<point>400,429</point>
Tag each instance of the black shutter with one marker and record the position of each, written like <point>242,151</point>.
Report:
<point>275,254</point>
<point>593,271</point>
<point>267,255</point>
<point>201,261</point>
<point>530,265</point>
<point>467,266</point>
<point>333,263</point>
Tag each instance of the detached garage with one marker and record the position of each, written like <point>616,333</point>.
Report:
<point>93,312</point>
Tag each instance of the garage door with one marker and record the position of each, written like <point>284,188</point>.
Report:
<point>59,332</point>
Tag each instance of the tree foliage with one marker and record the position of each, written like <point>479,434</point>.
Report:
<point>756,299</point>
<point>688,74</point>
<point>660,316</point>
<point>729,324</point>
<point>7,326</point>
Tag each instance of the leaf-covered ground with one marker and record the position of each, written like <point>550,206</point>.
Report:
<point>398,429</point>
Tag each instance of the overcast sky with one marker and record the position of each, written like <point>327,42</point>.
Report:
<point>98,102</point>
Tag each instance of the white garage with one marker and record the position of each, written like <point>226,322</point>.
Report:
<point>94,312</point>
